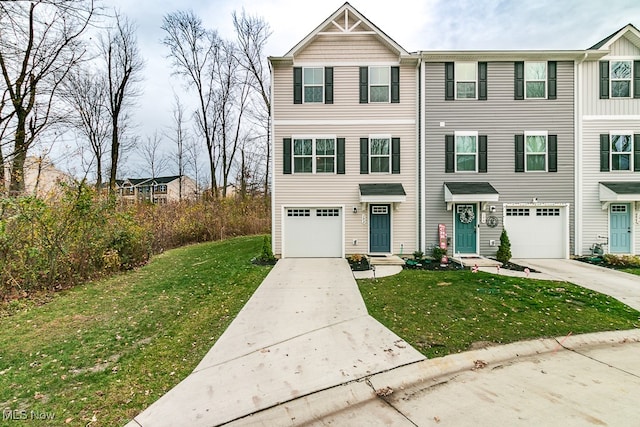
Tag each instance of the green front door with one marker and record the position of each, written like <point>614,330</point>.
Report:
<point>465,223</point>
<point>380,228</point>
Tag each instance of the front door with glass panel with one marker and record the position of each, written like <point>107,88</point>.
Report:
<point>620,228</point>
<point>465,234</point>
<point>380,228</point>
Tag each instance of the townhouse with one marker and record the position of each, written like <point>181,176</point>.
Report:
<point>381,151</point>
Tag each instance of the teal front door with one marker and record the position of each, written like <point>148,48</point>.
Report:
<point>380,228</point>
<point>620,228</point>
<point>465,223</point>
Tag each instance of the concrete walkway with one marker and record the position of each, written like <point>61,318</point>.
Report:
<point>304,330</point>
<point>622,286</point>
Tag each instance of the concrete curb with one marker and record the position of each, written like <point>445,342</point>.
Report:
<point>371,391</point>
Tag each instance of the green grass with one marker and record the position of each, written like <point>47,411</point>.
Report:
<point>441,313</point>
<point>635,271</point>
<point>111,348</point>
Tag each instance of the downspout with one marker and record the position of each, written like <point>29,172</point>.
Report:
<point>578,160</point>
<point>422,112</point>
<point>273,164</point>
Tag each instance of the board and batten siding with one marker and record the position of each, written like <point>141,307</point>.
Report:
<point>347,118</point>
<point>595,220</point>
<point>500,117</point>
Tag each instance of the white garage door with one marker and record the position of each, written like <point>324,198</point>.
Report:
<point>312,233</point>
<point>536,232</point>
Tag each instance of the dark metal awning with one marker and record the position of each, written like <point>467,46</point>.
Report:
<point>469,192</point>
<point>382,193</point>
<point>619,192</point>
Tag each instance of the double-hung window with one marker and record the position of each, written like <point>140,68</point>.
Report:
<point>313,82</point>
<point>466,151</point>
<point>380,154</point>
<point>535,75</point>
<point>621,78</point>
<point>621,151</point>
<point>379,84</point>
<point>535,150</point>
<point>466,80</point>
<point>314,155</point>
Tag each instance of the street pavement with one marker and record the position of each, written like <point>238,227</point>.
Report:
<point>304,351</point>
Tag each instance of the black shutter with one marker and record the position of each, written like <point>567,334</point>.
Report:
<point>482,153</point>
<point>395,85</point>
<point>449,81</point>
<point>364,155</point>
<point>482,81</point>
<point>636,153</point>
<point>340,157</point>
<point>519,153</point>
<point>395,155</point>
<point>518,72</point>
<point>364,85</point>
<point>604,152</point>
<point>328,85</point>
<point>286,151</point>
<point>552,153</point>
<point>297,85</point>
<point>449,154</point>
<point>552,86</point>
<point>604,81</point>
<point>636,79</point>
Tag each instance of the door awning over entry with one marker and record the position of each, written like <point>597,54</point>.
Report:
<point>469,192</point>
<point>611,192</point>
<point>382,193</point>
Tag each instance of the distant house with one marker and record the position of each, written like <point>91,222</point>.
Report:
<point>158,190</point>
<point>41,177</point>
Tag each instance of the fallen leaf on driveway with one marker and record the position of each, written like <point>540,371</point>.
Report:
<point>384,392</point>
<point>479,364</point>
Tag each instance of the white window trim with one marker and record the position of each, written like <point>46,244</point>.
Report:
<point>546,151</point>
<point>611,79</point>
<point>388,86</point>
<point>304,100</point>
<point>313,139</point>
<point>546,79</point>
<point>387,137</point>
<point>631,165</point>
<point>475,97</point>
<point>455,156</point>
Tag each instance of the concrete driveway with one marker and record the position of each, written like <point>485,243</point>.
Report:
<point>624,287</point>
<point>304,330</point>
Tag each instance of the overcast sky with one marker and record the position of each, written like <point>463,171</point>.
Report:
<point>414,24</point>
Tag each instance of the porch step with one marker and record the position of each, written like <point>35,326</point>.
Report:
<point>385,260</point>
<point>479,261</point>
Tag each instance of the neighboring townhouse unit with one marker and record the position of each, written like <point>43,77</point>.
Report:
<point>158,190</point>
<point>497,151</point>
<point>608,148</point>
<point>345,142</point>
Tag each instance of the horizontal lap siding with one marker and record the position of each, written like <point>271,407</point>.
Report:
<point>500,118</point>
<point>346,48</point>
<point>593,105</point>
<point>344,119</point>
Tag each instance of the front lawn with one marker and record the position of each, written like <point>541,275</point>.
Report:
<point>440,313</point>
<point>102,352</point>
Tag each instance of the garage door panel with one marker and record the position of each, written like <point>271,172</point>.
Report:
<point>536,232</point>
<point>313,233</point>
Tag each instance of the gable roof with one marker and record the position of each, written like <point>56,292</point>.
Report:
<point>629,31</point>
<point>347,20</point>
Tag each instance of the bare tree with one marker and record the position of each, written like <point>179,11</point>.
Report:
<point>232,98</point>
<point>192,49</point>
<point>119,49</point>
<point>192,162</point>
<point>152,155</point>
<point>86,92</point>
<point>179,136</point>
<point>39,43</point>
<point>252,36</point>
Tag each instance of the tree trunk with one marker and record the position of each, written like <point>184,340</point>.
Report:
<point>20,156</point>
<point>115,149</point>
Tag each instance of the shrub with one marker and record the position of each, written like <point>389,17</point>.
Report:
<point>504,250</point>
<point>437,253</point>
<point>622,261</point>
<point>417,255</point>
<point>266,255</point>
